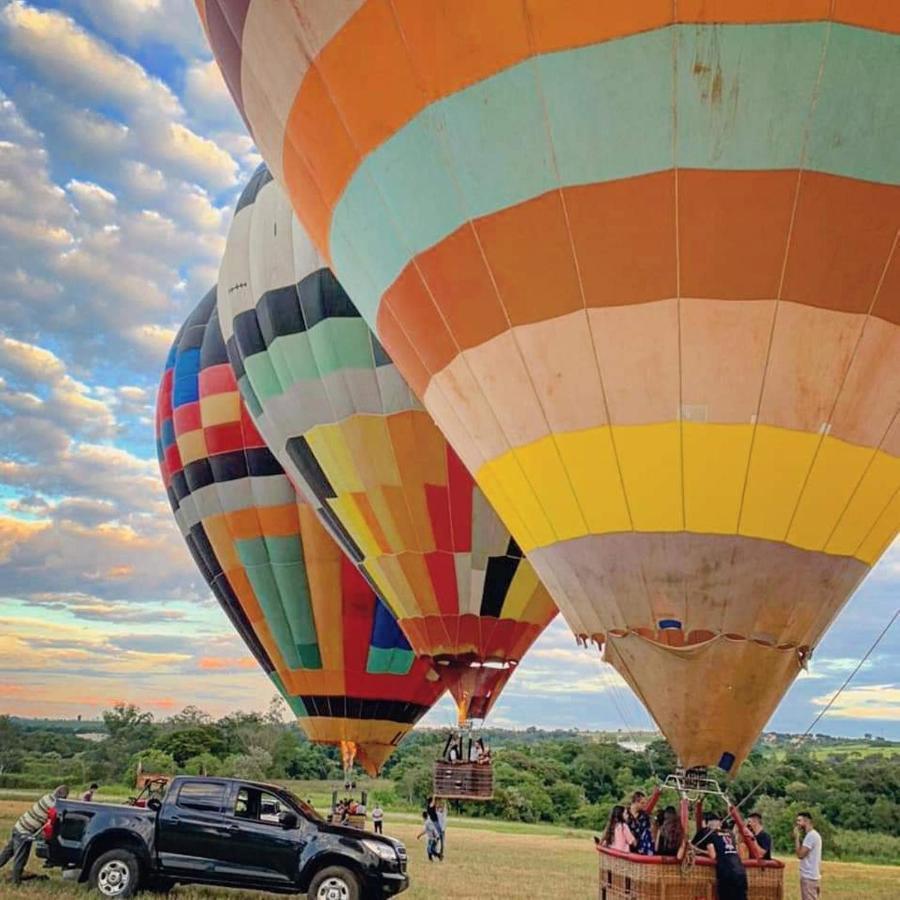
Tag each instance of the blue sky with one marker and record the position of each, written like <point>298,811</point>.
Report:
<point>120,158</point>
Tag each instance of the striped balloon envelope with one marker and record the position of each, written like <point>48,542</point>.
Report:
<point>639,260</point>
<point>319,632</point>
<point>345,425</point>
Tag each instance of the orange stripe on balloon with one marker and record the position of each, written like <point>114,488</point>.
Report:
<point>733,233</point>
<point>420,51</point>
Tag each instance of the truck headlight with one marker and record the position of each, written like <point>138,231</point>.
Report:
<point>383,851</point>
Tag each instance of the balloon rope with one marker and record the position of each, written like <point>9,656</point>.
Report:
<point>834,697</point>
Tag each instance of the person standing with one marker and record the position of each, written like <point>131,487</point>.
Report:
<point>762,837</point>
<point>720,845</point>
<point>442,826</point>
<point>18,847</point>
<point>638,820</point>
<point>88,795</point>
<point>430,831</point>
<point>808,847</point>
<point>378,819</point>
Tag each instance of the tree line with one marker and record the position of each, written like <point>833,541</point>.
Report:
<point>556,777</point>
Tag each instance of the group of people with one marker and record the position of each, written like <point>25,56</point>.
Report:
<point>477,751</point>
<point>346,808</point>
<point>434,829</point>
<point>632,830</point>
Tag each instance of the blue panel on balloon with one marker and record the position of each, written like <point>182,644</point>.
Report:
<point>186,387</point>
<point>386,633</point>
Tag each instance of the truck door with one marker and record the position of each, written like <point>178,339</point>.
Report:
<point>192,828</point>
<point>261,848</point>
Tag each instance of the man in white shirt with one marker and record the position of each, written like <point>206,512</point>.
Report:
<point>808,847</point>
<point>378,819</point>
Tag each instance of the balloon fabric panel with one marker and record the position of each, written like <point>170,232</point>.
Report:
<point>641,269</point>
<point>314,625</point>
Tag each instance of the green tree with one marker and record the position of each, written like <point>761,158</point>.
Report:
<point>182,745</point>
<point>203,764</point>
<point>566,799</point>
<point>151,760</point>
<point>253,765</point>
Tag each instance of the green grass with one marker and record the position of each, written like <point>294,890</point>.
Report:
<point>485,859</point>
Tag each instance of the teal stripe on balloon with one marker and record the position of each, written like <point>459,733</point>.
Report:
<point>292,358</point>
<point>393,661</point>
<point>744,99</point>
<point>262,376</point>
<point>264,586</point>
<point>340,344</point>
<point>284,550</point>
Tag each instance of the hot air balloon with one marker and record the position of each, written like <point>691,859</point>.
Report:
<point>640,263</point>
<point>324,638</point>
<point>347,428</point>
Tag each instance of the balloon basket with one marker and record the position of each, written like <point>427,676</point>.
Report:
<point>628,875</point>
<point>463,780</point>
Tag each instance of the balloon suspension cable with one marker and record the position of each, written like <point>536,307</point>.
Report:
<point>833,699</point>
<point>615,691</point>
<point>348,757</point>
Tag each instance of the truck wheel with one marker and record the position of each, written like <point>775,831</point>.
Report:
<point>335,883</point>
<point>116,873</point>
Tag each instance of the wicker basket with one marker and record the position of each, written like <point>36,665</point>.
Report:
<point>463,781</point>
<point>627,875</point>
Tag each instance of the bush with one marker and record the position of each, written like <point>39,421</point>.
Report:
<point>151,761</point>
<point>203,764</point>
<point>590,816</point>
<point>253,765</point>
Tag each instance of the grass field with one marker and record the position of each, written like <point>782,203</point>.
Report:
<point>490,860</point>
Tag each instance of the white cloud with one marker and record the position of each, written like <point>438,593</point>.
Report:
<point>79,64</point>
<point>93,202</point>
<point>206,95</point>
<point>874,701</point>
<point>136,23</point>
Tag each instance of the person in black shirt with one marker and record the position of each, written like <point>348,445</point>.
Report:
<point>755,824</point>
<point>719,844</point>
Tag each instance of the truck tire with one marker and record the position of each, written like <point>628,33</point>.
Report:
<point>116,873</point>
<point>335,883</point>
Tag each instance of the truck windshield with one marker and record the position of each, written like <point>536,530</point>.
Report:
<point>306,808</point>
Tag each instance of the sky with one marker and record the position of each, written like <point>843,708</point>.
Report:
<point>121,157</point>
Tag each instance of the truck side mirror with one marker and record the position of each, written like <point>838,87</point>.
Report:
<point>289,820</point>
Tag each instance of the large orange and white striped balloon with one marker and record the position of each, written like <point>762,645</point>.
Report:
<point>639,260</point>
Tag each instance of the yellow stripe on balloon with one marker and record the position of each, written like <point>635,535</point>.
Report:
<point>218,409</point>
<point>329,447</point>
<point>191,446</point>
<point>521,591</point>
<point>836,505</point>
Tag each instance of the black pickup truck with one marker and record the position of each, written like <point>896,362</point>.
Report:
<point>221,831</point>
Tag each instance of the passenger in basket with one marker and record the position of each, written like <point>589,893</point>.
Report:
<point>618,836</point>
<point>762,837</point>
<point>719,844</point>
<point>670,841</point>
<point>638,820</point>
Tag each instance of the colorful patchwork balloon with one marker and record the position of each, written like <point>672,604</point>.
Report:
<point>345,425</point>
<point>639,260</point>
<point>324,638</point>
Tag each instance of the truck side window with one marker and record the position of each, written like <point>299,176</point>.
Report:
<point>201,796</point>
<point>259,806</point>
